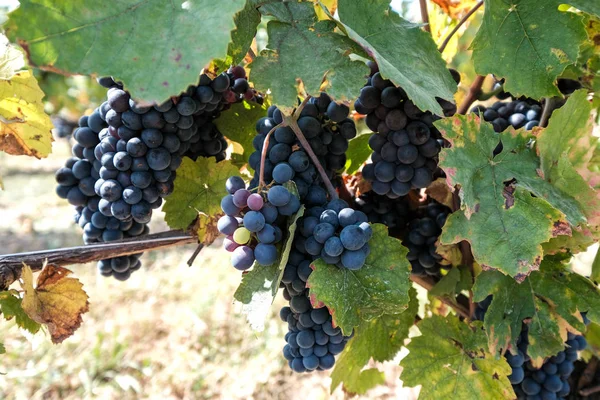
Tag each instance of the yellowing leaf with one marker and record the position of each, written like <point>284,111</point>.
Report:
<point>455,8</point>
<point>25,129</point>
<point>56,301</point>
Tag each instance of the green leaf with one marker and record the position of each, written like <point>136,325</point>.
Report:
<point>259,286</point>
<point>246,24</point>
<point>379,287</point>
<point>199,188</point>
<point>157,48</point>
<point>595,276</point>
<point>454,282</point>
<point>2,348</point>
<point>528,42</point>
<point>11,307</point>
<point>566,147</point>
<point>552,298</point>
<point>405,53</point>
<point>358,152</point>
<point>238,124</point>
<point>301,47</point>
<point>450,362</point>
<point>379,339</point>
<point>501,219</point>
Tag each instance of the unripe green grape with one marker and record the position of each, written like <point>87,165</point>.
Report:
<point>241,235</point>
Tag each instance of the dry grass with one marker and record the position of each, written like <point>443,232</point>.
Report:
<point>170,332</point>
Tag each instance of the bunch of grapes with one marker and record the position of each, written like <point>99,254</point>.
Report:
<point>251,222</point>
<point>518,114</point>
<point>393,213</point>
<point>406,145</point>
<point>420,239</point>
<point>339,236</point>
<point>327,128</point>
<point>127,155</point>
<point>312,341</point>
<point>240,88</point>
<point>551,380</point>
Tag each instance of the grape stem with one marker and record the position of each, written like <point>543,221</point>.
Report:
<point>460,23</point>
<point>589,391</point>
<point>11,264</point>
<point>424,15</point>
<point>428,285</point>
<point>291,121</point>
<point>263,155</point>
<point>473,94</point>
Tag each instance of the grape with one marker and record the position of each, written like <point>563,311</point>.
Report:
<point>241,235</point>
<point>265,254</point>
<point>255,202</point>
<point>384,171</point>
<point>159,158</point>
<point>240,198</point>
<point>242,258</point>
<point>337,112</point>
<point>278,196</point>
<point>352,237</point>
<point>227,225</point>
<point>267,235</point>
<point>323,231</point>
<point>282,173</point>
<point>516,376</point>
<point>530,387</point>
<point>227,204</point>
<point>254,221</point>
<point>291,207</point>
<point>310,126</point>
<point>396,120</point>
<point>333,246</point>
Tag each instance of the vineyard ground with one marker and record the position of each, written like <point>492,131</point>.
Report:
<point>169,332</point>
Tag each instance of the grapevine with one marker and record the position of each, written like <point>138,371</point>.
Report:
<point>392,192</point>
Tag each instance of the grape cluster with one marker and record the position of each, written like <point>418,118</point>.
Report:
<point>251,222</point>
<point>339,236</point>
<point>518,114</point>
<point>393,213</point>
<point>421,237</point>
<point>127,155</point>
<point>312,341</point>
<point>327,128</point>
<point>551,380</point>
<point>406,145</point>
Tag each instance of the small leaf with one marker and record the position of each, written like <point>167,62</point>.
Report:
<point>450,362</point>
<point>379,339</point>
<point>238,124</point>
<point>25,128</point>
<point>358,152</point>
<point>11,306</point>
<point>296,41</point>
<point>454,282</point>
<point>157,48</point>
<point>379,287</point>
<point>501,219</point>
<point>405,54</point>
<point>259,286</point>
<point>56,301</point>
<point>528,42</point>
<point>549,297</point>
<point>199,188</point>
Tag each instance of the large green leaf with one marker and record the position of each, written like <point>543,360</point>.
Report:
<point>551,298</point>
<point>501,219</point>
<point>157,48</point>
<point>566,147</point>
<point>379,287</point>
<point>239,124</point>
<point>199,188</point>
<point>449,360</point>
<point>528,42</point>
<point>11,307</point>
<point>379,339</point>
<point>301,47</point>
<point>259,286</point>
<point>405,53</point>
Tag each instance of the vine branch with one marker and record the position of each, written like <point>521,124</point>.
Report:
<point>460,23</point>
<point>263,154</point>
<point>550,104</point>
<point>11,264</point>
<point>474,91</point>
<point>424,15</point>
